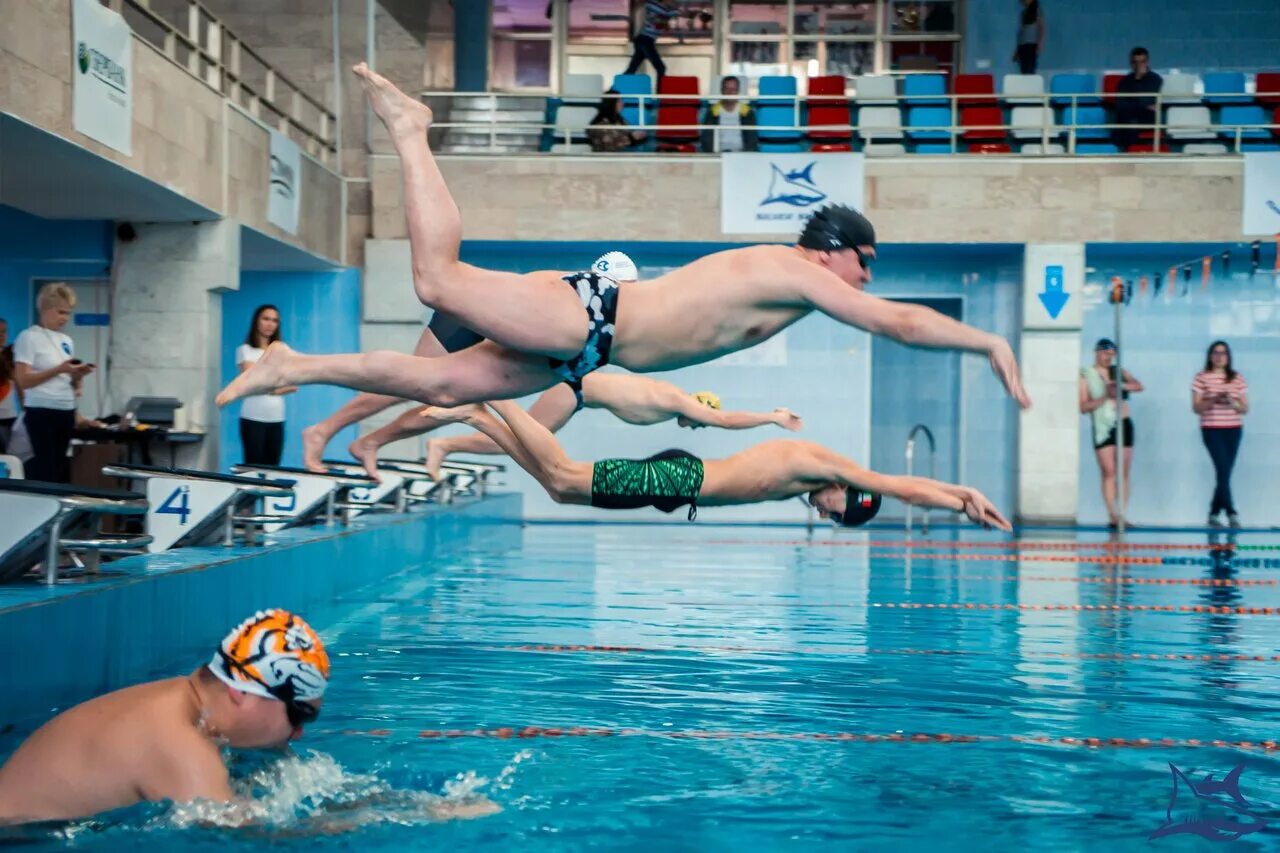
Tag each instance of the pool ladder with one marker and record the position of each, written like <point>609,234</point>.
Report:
<point>911,455</point>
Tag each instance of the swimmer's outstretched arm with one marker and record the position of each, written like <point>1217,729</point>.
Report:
<point>919,491</point>
<point>690,409</point>
<point>911,324</point>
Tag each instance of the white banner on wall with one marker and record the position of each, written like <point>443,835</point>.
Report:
<point>1262,193</point>
<point>102,88</point>
<point>284,199</point>
<point>763,193</point>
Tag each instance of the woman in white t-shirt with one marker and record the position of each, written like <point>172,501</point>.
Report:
<point>49,374</point>
<point>262,416</point>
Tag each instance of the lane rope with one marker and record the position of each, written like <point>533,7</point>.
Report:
<point>1036,655</point>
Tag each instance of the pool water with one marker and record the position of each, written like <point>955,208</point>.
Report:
<point>702,687</point>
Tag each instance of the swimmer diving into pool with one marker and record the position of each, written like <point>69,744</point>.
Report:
<point>773,470</point>
<point>163,740</point>
<point>541,332</point>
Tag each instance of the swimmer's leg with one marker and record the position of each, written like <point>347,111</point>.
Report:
<point>533,313</point>
<point>481,372</point>
<point>316,436</point>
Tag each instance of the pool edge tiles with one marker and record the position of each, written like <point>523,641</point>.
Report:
<point>153,612</point>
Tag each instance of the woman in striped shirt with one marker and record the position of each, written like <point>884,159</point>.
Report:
<point>1220,397</point>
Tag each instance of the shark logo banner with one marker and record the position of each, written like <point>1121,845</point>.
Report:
<point>1261,193</point>
<point>102,76</point>
<point>776,193</point>
<point>284,195</point>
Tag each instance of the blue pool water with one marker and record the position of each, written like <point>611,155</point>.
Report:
<point>703,687</point>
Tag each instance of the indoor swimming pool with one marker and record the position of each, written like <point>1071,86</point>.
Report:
<point>727,688</point>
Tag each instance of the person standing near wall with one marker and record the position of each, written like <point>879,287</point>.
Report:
<point>262,415</point>
<point>1220,396</point>
<point>1098,400</point>
<point>49,374</point>
<point>10,393</point>
<point>1030,37</point>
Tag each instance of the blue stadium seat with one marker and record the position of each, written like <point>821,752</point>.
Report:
<point>1086,116</point>
<point>925,90</point>
<point>774,116</point>
<point>1225,87</point>
<point>1084,86</point>
<point>932,117</point>
<point>1243,115</point>
<point>1097,148</point>
<point>936,148</point>
<point>1260,146</point>
<point>638,84</point>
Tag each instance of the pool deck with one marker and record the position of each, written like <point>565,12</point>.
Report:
<point>153,613</point>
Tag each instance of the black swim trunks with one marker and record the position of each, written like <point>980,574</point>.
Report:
<point>1110,440</point>
<point>452,336</point>
<point>666,481</point>
<point>599,296</point>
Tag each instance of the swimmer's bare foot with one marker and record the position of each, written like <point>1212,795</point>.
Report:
<point>404,116</point>
<point>266,374</point>
<point>314,440</point>
<point>436,454</point>
<point>788,419</point>
<point>365,452</point>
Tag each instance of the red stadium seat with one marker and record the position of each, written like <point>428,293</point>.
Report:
<point>1275,122</point>
<point>990,148</point>
<point>674,110</point>
<point>976,117</point>
<point>1147,148</point>
<point>1268,93</point>
<point>1109,84</point>
<point>975,90</point>
<point>829,106</point>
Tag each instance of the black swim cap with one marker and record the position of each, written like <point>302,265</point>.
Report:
<point>836,227</point>
<point>860,507</point>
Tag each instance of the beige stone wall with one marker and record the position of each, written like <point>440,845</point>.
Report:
<point>911,200</point>
<point>177,139</point>
<point>248,166</point>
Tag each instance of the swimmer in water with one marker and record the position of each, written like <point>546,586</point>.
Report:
<point>163,740</point>
<point>549,327</point>
<point>836,487</point>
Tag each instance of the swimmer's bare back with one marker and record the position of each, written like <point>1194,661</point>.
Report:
<point>139,743</point>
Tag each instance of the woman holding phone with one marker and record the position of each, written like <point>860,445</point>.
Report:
<point>1220,396</point>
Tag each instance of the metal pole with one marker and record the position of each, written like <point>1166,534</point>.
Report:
<point>1119,367</point>
<point>52,551</point>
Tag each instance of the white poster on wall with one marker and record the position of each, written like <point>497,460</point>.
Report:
<point>102,87</point>
<point>764,193</point>
<point>284,199</point>
<point>1262,193</point>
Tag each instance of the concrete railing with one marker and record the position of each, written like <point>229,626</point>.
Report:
<point>194,39</point>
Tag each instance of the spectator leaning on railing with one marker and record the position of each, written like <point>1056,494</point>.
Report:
<point>1136,110</point>
<point>734,121</point>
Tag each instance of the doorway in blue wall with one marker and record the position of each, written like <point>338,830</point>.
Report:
<point>911,386</point>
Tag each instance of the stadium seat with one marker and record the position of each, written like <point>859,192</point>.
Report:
<point>878,124</point>
<point>1232,117</point>
<point>582,87</point>
<point>929,117</point>
<point>1147,148</point>
<point>990,148</point>
<point>677,105</point>
<point>1097,148</point>
<point>925,90</point>
<point>884,149</point>
<point>1204,148</point>
<point>1042,150</point>
<point>985,123</point>
<point>975,90</point>
<point>1088,122</point>
<point>580,98</point>
<point>1110,82</point>
<point>1032,123</point>
<point>1225,87</point>
<point>776,113</point>
<point>634,85</point>
<point>829,107</point>
<point>1078,89</point>
<point>1275,122</point>
<point>1179,89</point>
<point>1189,123</point>
<point>874,89</point>
<point>1260,146</point>
<point>1267,88</point>
<point>935,148</point>
<point>1022,89</point>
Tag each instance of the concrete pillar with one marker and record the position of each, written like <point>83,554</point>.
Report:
<point>1049,432</point>
<point>167,322</point>
<point>471,45</point>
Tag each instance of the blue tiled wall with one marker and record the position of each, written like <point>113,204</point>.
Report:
<point>320,313</point>
<point>1095,34</point>
<point>1164,346</point>
<point>823,372</point>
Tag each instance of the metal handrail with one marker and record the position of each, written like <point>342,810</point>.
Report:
<point>215,56</point>
<point>933,460</point>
